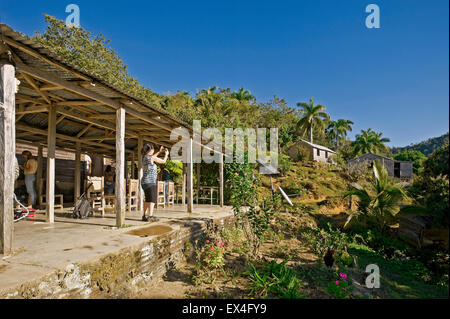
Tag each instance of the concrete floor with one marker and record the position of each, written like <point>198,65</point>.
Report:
<point>41,248</point>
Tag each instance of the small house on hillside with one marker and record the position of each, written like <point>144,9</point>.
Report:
<point>317,153</point>
<point>398,169</point>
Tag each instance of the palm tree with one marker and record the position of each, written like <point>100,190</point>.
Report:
<point>380,203</point>
<point>338,130</point>
<point>243,95</point>
<point>212,107</point>
<point>370,142</point>
<point>313,116</point>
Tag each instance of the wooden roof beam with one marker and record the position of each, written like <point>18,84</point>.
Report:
<point>39,56</point>
<point>32,109</point>
<point>64,137</point>
<point>50,78</point>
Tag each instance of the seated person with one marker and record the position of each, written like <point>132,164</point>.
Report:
<point>109,180</point>
<point>165,177</point>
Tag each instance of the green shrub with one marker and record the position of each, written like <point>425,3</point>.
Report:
<point>340,288</point>
<point>274,279</point>
<point>284,164</point>
<point>344,258</point>
<point>303,154</point>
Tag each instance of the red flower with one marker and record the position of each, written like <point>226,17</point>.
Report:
<point>207,241</point>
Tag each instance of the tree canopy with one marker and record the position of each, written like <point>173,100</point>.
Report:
<point>413,156</point>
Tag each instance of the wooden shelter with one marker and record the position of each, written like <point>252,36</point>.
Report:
<point>398,169</point>
<point>60,106</point>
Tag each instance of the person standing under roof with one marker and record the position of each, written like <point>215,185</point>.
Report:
<point>149,179</point>
<point>30,169</point>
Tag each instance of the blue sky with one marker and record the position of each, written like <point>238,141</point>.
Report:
<point>394,79</point>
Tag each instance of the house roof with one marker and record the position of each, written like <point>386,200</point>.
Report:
<point>380,156</point>
<point>320,147</point>
<point>20,38</point>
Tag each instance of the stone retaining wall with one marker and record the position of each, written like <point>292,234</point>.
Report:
<point>130,268</point>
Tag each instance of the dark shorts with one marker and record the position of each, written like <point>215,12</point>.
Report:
<point>151,192</point>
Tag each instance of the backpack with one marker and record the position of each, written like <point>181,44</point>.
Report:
<point>82,209</point>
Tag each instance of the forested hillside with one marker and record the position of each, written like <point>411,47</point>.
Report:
<point>426,147</point>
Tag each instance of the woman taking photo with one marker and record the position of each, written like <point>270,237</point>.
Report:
<point>30,169</point>
<point>149,178</point>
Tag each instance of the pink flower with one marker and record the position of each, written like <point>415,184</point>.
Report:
<point>207,241</point>
<point>217,244</point>
<point>221,244</point>
<point>209,256</point>
<point>212,248</point>
<point>337,282</point>
<point>343,275</point>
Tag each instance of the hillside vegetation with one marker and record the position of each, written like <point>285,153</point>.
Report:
<point>426,147</point>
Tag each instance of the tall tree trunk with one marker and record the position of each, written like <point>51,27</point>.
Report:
<point>311,134</point>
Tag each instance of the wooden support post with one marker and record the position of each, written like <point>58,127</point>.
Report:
<point>51,147</point>
<point>39,173</point>
<point>132,165</point>
<point>221,182</point>
<point>183,187</point>
<point>198,182</point>
<point>140,174</point>
<point>77,177</point>
<point>7,154</point>
<point>120,167</point>
<point>190,181</point>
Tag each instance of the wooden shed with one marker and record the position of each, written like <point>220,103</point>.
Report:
<point>399,169</point>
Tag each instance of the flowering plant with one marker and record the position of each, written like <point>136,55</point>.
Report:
<point>213,254</point>
<point>340,288</point>
<point>253,216</point>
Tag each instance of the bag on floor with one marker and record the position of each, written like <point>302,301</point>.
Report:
<point>82,209</point>
<point>83,206</point>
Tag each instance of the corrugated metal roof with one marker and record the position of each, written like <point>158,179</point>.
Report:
<point>108,90</point>
<point>320,147</point>
<point>378,155</point>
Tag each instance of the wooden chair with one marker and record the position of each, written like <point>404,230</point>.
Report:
<point>132,196</point>
<point>110,202</point>
<point>171,194</point>
<point>59,198</point>
<point>96,194</point>
<point>207,193</point>
<point>160,198</point>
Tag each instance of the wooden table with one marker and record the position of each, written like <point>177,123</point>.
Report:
<point>209,190</point>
